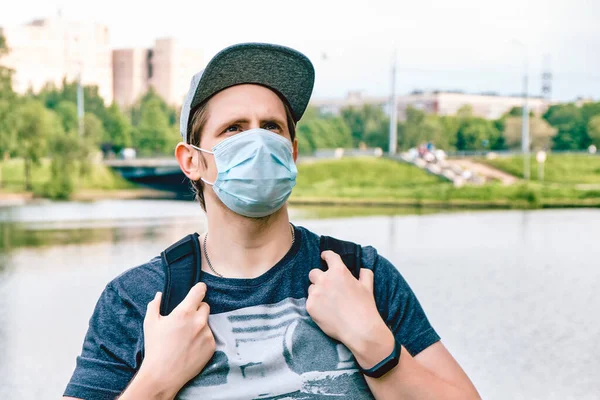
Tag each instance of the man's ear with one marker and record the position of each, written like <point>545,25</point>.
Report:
<point>295,149</point>
<point>189,161</point>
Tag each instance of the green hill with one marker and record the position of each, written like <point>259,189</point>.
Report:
<point>559,168</point>
<point>362,178</point>
<point>371,181</point>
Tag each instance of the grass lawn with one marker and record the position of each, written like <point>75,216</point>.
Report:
<point>383,180</point>
<point>558,168</point>
<point>363,177</point>
<point>100,177</point>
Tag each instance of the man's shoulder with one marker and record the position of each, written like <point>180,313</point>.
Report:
<point>369,253</point>
<point>138,285</point>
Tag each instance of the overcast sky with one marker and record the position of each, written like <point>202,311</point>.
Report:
<point>471,45</point>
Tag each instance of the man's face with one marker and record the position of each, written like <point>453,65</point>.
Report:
<point>235,110</point>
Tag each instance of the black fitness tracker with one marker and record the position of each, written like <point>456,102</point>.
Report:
<point>385,365</point>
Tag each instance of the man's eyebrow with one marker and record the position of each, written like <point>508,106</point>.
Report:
<point>232,121</point>
<point>274,119</point>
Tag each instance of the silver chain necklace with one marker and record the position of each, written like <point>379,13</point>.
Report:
<point>208,259</point>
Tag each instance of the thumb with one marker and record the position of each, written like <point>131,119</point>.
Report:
<point>366,278</point>
<point>153,309</point>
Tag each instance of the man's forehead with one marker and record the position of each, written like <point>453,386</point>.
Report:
<point>246,99</point>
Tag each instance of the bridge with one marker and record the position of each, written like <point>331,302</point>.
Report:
<point>156,173</point>
<point>164,173</point>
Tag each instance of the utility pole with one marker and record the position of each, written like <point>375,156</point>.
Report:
<point>80,109</point>
<point>525,130</point>
<point>547,80</point>
<point>525,120</point>
<point>393,110</point>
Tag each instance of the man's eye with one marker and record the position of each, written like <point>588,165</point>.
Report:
<point>271,126</point>
<point>232,128</point>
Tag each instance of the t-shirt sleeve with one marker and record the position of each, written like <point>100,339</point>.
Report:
<point>112,349</point>
<point>399,307</point>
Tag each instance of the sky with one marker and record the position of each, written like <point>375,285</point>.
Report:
<point>470,45</point>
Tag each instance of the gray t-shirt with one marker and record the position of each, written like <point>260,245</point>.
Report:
<point>268,347</point>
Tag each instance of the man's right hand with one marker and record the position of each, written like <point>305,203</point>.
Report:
<point>176,347</point>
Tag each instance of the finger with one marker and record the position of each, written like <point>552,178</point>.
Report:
<point>332,259</point>
<point>203,312</point>
<point>153,308</point>
<point>194,298</point>
<point>366,278</point>
<point>315,275</point>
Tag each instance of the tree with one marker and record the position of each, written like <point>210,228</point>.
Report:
<point>368,124</point>
<point>67,111</point>
<point>8,100</point>
<point>589,111</point>
<point>411,129</point>
<point>450,125</point>
<point>421,128</point>
<point>153,132</point>
<point>93,130</point>
<point>52,96</point>
<point>64,148</point>
<point>152,97</point>
<point>476,134</point>
<point>35,124</point>
<point>117,129</point>
<point>517,111</point>
<point>569,122</point>
<point>540,131</point>
<point>316,131</point>
<point>593,129</point>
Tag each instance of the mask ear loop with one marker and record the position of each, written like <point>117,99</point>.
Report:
<point>207,152</point>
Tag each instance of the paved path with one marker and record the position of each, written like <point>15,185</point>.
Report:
<point>484,170</point>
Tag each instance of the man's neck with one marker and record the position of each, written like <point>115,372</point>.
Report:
<point>240,247</point>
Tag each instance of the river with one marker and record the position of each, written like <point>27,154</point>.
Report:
<point>513,294</point>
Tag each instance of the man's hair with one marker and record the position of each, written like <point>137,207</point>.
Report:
<point>199,118</point>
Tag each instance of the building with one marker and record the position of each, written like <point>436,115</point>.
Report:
<point>52,49</point>
<point>488,106</point>
<point>168,68</point>
<point>131,69</point>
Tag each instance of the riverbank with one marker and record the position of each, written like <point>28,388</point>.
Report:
<point>368,182</point>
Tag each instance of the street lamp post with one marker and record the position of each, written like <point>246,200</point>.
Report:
<point>393,110</point>
<point>525,125</point>
<point>525,141</point>
<point>80,99</point>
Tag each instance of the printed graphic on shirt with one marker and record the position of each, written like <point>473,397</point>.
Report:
<point>275,352</point>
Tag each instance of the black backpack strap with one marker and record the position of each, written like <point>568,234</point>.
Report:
<point>351,253</point>
<point>180,274</point>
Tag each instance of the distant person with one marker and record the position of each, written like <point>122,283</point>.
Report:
<point>268,319</point>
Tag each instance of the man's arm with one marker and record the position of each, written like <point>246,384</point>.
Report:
<point>431,374</point>
<point>176,348</point>
<point>344,308</point>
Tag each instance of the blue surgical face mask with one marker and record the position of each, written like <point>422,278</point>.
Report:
<point>255,172</point>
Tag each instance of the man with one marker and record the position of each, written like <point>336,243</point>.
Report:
<point>265,321</point>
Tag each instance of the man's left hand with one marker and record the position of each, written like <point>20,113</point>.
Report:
<point>344,308</point>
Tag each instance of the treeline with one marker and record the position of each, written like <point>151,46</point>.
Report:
<point>562,127</point>
<point>42,125</point>
<point>46,125</point>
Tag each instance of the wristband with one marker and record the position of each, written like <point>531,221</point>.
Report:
<point>385,365</point>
